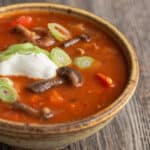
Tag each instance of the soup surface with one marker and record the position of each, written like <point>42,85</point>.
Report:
<point>66,102</point>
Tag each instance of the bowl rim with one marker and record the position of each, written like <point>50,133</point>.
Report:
<point>98,117</point>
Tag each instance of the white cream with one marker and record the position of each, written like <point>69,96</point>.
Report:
<point>31,65</point>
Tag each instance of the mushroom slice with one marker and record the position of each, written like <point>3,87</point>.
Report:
<point>43,85</point>
<point>71,75</point>
<point>45,41</point>
<point>25,108</point>
<point>40,30</point>
<point>44,113</point>
<point>83,37</point>
<point>38,35</point>
<point>29,35</point>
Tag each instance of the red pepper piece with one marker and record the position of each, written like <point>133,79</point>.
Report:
<point>23,20</point>
<point>106,80</point>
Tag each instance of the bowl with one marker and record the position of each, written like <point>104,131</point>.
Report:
<point>55,136</point>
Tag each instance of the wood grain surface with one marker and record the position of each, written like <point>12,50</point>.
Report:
<point>130,130</point>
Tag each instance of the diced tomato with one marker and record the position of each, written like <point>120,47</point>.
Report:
<point>23,20</point>
<point>34,101</point>
<point>106,80</point>
<point>72,106</point>
<point>56,97</point>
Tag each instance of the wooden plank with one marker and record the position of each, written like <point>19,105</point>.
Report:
<point>130,130</point>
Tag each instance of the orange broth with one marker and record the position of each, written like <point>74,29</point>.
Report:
<point>72,103</point>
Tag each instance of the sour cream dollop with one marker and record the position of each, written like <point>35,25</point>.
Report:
<point>30,65</point>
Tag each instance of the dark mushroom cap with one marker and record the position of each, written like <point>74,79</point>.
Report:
<point>71,75</point>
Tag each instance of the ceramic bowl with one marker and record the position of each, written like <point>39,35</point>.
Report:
<point>36,136</point>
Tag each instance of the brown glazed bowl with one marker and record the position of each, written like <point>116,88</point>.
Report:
<point>55,136</point>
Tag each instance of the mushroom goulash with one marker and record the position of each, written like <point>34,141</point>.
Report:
<point>56,68</point>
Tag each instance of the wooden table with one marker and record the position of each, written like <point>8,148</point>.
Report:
<point>130,129</point>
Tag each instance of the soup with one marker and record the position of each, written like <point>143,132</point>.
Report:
<point>62,68</point>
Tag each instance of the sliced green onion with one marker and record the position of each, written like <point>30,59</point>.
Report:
<point>83,62</point>
<point>25,48</point>
<point>7,92</point>
<point>60,57</point>
<point>59,32</point>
